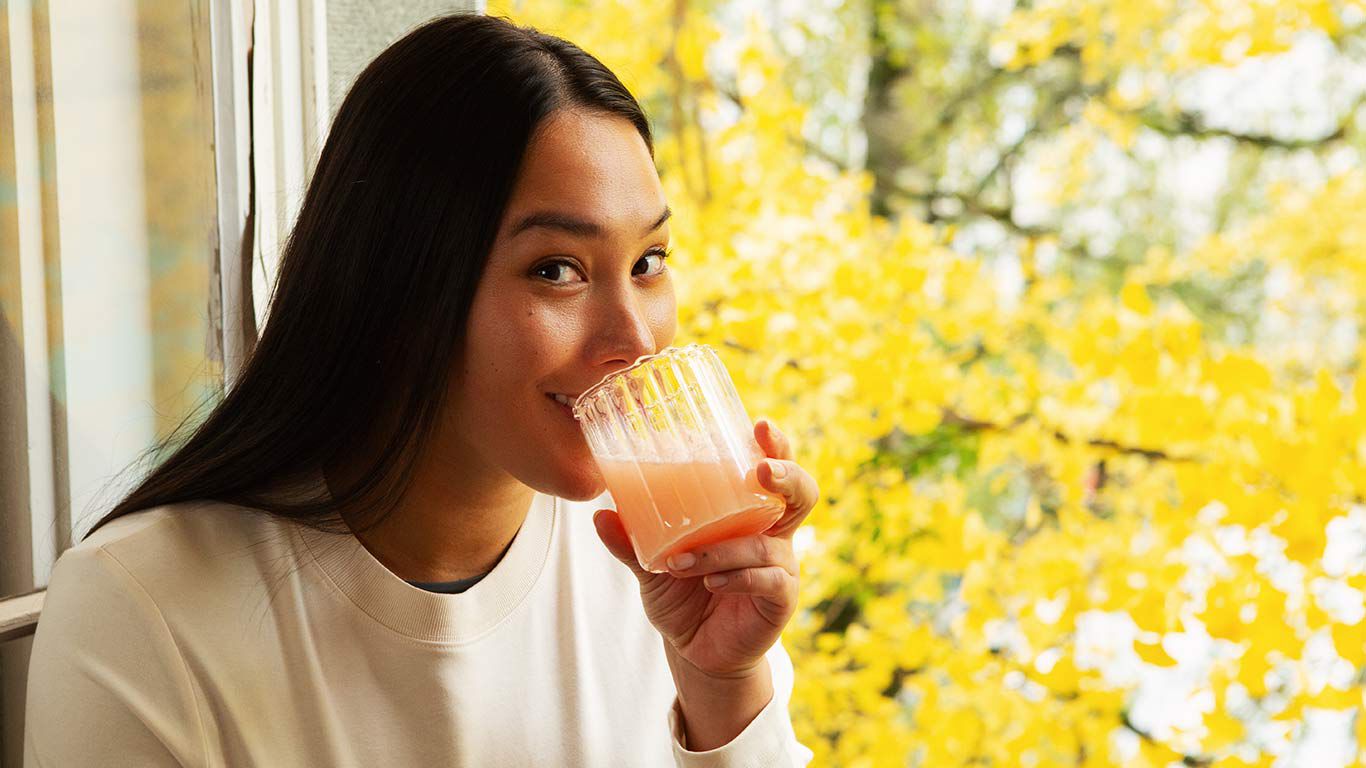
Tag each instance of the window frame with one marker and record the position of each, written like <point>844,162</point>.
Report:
<point>271,95</point>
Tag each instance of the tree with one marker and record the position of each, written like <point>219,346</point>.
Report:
<point>1032,374</point>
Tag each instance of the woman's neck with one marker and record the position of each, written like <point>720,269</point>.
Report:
<point>455,521</point>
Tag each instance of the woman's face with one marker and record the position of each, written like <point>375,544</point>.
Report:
<point>575,287</point>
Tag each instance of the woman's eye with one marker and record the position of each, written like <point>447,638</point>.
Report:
<point>553,270</point>
<point>558,267</point>
<point>660,254</point>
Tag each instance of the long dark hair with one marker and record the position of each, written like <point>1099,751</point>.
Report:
<point>379,272</point>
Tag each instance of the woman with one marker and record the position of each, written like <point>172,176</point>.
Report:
<point>485,230</point>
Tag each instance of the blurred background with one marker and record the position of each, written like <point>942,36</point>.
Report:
<point>1060,302</point>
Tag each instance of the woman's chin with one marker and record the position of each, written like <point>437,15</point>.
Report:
<point>582,493</point>
<point>584,484</point>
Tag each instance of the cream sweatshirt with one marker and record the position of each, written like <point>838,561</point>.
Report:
<point>204,634</point>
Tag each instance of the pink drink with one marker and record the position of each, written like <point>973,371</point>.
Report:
<point>678,506</point>
<point>678,453</point>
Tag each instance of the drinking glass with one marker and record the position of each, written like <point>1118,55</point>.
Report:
<point>677,451</point>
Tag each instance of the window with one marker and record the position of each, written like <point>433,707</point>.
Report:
<point>133,137</point>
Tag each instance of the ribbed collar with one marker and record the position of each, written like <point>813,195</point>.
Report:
<point>455,619</point>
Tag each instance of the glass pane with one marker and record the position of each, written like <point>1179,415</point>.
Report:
<point>108,233</point>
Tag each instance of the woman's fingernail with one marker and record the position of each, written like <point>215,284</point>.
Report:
<point>778,468</point>
<point>716,580</point>
<point>680,562</point>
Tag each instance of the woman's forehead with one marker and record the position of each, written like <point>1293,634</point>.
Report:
<point>572,147</point>
<point>590,168</point>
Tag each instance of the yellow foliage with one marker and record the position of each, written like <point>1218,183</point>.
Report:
<point>993,467</point>
<point>1154,654</point>
<point>1165,35</point>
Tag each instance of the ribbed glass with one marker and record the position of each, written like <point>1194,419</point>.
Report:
<point>677,451</point>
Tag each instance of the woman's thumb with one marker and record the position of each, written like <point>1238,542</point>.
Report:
<point>614,537</point>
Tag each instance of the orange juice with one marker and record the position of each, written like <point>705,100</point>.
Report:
<point>678,506</point>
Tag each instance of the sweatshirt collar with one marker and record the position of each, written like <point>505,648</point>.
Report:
<point>454,619</point>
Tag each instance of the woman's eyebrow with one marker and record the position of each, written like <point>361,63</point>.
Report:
<point>573,225</point>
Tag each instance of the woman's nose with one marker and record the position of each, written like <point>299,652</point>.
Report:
<point>626,332</point>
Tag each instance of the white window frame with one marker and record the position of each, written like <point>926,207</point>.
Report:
<point>269,124</point>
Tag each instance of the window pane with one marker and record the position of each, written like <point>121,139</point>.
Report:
<point>108,225</point>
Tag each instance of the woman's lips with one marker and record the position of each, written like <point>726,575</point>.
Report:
<point>566,410</point>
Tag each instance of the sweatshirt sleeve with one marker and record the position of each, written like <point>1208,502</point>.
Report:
<point>768,740</point>
<point>107,684</point>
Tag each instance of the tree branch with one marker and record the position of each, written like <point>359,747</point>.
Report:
<point>1191,760</point>
<point>971,204</point>
<point>1054,111</point>
<point>677,96</point>
<point>899,676</point>
<point>727,90</point>
<point>974,425</point>
<point>1192,124</point>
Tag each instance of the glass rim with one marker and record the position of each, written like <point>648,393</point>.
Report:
<point>670,351</point>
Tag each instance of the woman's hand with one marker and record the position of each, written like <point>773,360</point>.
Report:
<point>725,630</point>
